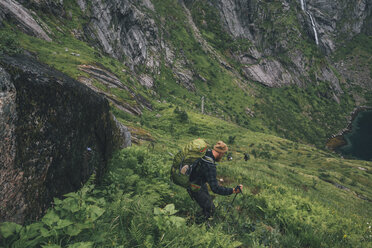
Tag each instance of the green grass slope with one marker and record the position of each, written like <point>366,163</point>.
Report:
<point>307,114</point>
<point>294,196</point>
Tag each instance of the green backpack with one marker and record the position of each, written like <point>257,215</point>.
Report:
<point>185,161</point>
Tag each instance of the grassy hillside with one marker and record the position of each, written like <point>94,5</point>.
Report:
<point>294,196</point>
<point>307,114</point>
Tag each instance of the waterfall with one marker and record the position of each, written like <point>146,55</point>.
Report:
<point>314,28</point>
<point>303,5</point>
<point>312,21</point>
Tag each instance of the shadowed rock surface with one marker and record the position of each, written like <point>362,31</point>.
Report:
<point>57,133</point>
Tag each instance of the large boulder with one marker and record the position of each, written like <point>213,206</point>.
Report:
<point>55,133</point>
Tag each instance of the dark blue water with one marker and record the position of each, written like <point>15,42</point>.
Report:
<point>359,140</point>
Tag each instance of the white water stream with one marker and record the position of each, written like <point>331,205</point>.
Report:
<point>302,5</point>
<point>312,21</point>
<point>314,28</point>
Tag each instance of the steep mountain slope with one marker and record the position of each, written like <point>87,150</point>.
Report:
<point>178,51</point>
<point>277,79</point>
<point>294,196</point>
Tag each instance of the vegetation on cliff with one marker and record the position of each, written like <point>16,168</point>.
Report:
<point>295,195</point>
<point>308,113</point>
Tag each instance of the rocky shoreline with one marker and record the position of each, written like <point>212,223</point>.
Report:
<point>338,140</point>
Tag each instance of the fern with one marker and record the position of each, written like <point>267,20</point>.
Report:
<point>136,233</point>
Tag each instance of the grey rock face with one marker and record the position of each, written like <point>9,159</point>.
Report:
<point>335,19</point>
<point>125,30</point>
<point>332,20</point>
<point>329,76</point>
<point>54,131</point>
<point>2,17</point>
<point>24,17</point>
<point>121,134</point>
<point>82,4</point>
<point>51,6</point>
<point>360,76</point>
<point>270,73</point>
<point>122,29</point>
<point>10,175</point>
<point>146,81</point>
<point>111,81</point>
<point>8,118</point>
<point>237,16</point>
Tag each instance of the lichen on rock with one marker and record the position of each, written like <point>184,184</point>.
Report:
<point>57,133</point>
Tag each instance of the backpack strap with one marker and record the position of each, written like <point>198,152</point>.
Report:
<point>194,165</point>
<point>208,160</point>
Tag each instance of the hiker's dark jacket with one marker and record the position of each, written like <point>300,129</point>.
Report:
<point>205,172</point>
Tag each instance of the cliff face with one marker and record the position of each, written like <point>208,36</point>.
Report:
<point>332,20</point>
<point>337,21</point>
<point>124,29</point>
<point>280,28</point>
<point>131,30</point>
<point>56,133</point>
<point>23,17</point>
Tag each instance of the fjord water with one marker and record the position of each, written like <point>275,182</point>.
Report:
<point>359,140</point>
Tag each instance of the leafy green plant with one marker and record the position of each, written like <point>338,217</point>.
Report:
<point>165,219</point>
<point>231,140</point>
<point>181,114</point>
<point>68,218</point>
<point>193,130</point>
<point>284,203</point>
<point>9,43</point>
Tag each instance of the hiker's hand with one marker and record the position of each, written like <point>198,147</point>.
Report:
<point>238,189</point>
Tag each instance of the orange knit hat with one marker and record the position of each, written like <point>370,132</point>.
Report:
<point>220,147</point>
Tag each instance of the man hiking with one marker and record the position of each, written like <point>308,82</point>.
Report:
<point>205,172</point>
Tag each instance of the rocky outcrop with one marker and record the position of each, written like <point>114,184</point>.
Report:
<point>111,81</point>
<point>277,32</point>
<point>332,19</point>
<point>124,30</point>
<point>328,75</point>
<point>327,23</point>
<point>54,132</point>
<point>127,31</point>
<point>338,20</point>
<point>121,134</point>
<point>270,73</point>
<point>238,17</point>
<point>146,80</point>
<point>54,7</point>
<point>2,17</point>
<point>359,76</point>
<point>246,20</point>
<point>24,17</point>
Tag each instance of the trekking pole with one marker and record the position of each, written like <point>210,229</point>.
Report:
<point>237,187</point>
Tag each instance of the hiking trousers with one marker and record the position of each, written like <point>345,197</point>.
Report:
<point>204,199</point>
